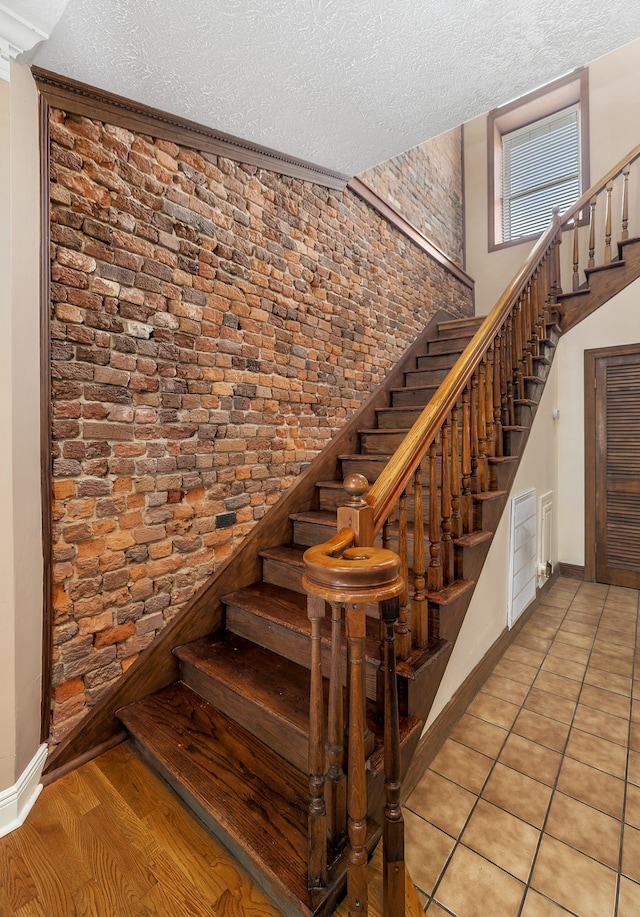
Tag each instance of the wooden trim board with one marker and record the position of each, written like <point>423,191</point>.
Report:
<point>81,99</point>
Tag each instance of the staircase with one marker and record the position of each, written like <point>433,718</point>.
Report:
<point>220,703</point>
<point>232,734</point>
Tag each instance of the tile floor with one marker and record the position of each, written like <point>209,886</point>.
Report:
<point>532,806</point>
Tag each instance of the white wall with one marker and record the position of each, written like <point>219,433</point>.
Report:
<point>486,617</point>
<point>614,129</point>
<point>21,567</point>
<point>617,322</point>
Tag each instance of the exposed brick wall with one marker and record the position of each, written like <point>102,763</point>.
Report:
<point>425,186</point>
<point>212,325</point>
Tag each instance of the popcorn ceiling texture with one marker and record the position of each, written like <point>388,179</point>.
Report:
<point>424,185</point>
<point>213,324</point>
<point>346,85</point>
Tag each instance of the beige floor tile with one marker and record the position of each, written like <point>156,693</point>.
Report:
<point>585,829</point>
<point>530,641</point>
<point>434,910</point>
<point>542,729</point>
<point>441,802</point>
<point>605,725</point>
<point>615,650</point>
<point>525,674</point>
<point>579,627</point>
<point>635,710</point>
<point>607,680</point>
<point>573,880</point>
<point>480,735</point>
<point>634,737</point>
<point>580,640</point>
<point>613,666</point>
<point>573,653</point>
<point>531,759</point>
<point>629,898</point>
<point>518,794</point>
<point>592,786</point>
<point>557,684</point>
<point>632,806</point>
<point>505,688</point>
<point>619,636</point>
<point>493,710</point>
<point>426,851</point>
<point>597,752</point>
<point>564,667</point>
<point>636,688</point>
<point>633,774</point>
<point>551,705</point>
<point>518,653</point>
<point>462,765</point>
<point>607,701</point>
<point>631,853</point>
<point>537,905</point>
<point>423,899</point>
<point>474,887</point>
<point>539,629</point>
<point>507,841</point>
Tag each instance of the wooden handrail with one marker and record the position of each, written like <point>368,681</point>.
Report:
<point>613,173</point>
<point>386,491</point>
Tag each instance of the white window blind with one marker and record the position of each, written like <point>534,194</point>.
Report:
<point>540,171</point>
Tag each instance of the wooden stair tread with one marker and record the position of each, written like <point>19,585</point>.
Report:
<point>285,553</point>
<point>318,516</point>
<point>451,593</point>
<point>375,457</point>
<point>503,459</point>
<point>472,539</point>
<point>271,681</point>
<point>246,794</point>
<point>488,495</point>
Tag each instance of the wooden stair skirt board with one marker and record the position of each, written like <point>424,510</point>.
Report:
<point>231,735</point>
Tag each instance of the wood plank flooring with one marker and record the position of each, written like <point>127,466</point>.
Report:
<point>112,839</point>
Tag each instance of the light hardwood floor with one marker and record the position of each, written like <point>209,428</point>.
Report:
<point>111,839</point>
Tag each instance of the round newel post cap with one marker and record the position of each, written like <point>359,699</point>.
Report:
<point>356,486</point>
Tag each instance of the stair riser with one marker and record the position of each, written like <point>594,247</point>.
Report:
<point>370,468</point>
<point>287,643</point>
<point>437,361</point>
<point>289,576</point>
<point>501,474</point>
<point>373,443</point>
<point>448,345</point>
<point>420,377</point>
<point>468,559</point>
<point>449,330</point>
<point>524,414</point>
<point>275,732</point>
<point>533,389</point>
<point>398,418</point>
<point>408,397</point>
<point>514,441</point>
<point>427,374</point>
<point>311,533</point>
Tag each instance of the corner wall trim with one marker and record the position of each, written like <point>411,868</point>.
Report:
<point>16,802</point>
<point>81,99</point>
<point>386,210</point>
<point>573,571</point>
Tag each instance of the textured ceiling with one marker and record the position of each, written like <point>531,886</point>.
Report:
<point>341,83</point>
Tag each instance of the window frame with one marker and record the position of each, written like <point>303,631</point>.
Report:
<point>568,90</point>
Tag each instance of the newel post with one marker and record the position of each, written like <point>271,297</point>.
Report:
<point>356,514</point>
<point>339,572</point>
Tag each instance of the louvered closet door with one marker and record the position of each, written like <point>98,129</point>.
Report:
<point>617,469</point>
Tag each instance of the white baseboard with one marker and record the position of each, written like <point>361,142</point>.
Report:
<point>16,802</point>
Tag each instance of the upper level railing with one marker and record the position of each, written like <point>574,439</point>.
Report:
<point>427,496</point>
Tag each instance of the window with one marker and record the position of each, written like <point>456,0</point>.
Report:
<point>538,159</point>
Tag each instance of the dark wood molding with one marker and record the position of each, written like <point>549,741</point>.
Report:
<point>157,666</point>
<point>80,99</point>
<point>45,423</point>
<point>89,755</point>
<point>434,738</point>
<point>572,571</point>
<point>386,210</point>
<point>589,466</point>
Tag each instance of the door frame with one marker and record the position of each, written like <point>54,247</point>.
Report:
<point>591,358</point>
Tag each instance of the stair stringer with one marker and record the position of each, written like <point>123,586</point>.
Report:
<point>157,666</point>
